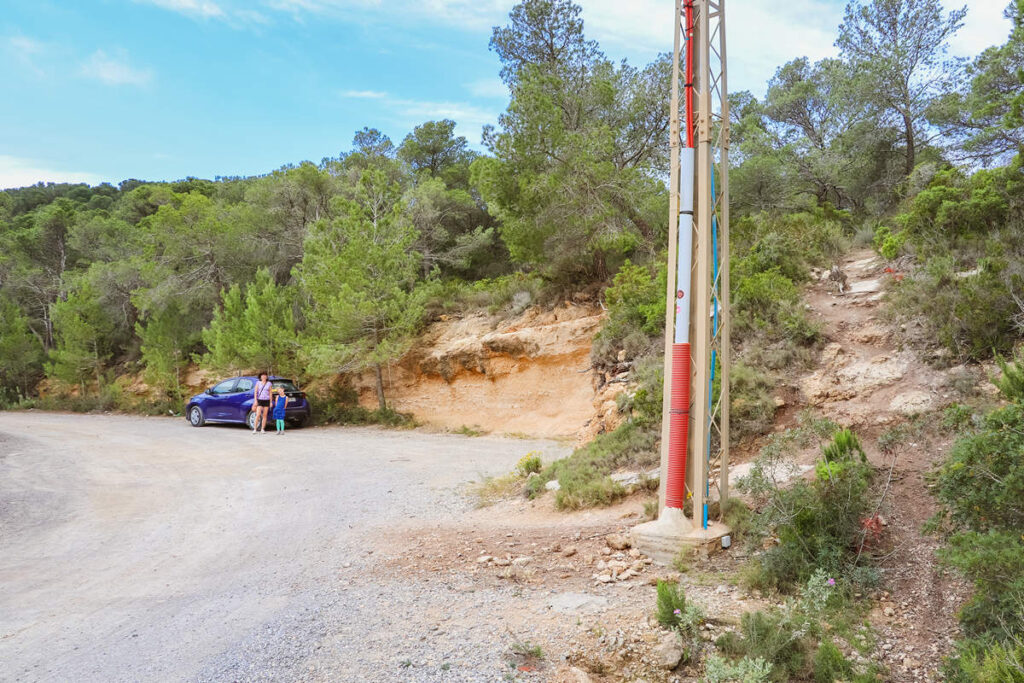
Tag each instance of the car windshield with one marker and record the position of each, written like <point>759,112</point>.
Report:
<point>289,387</point>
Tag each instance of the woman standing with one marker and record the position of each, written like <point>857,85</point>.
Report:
<point>261,403</point>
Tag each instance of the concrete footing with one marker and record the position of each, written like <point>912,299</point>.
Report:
<point>662,539</point>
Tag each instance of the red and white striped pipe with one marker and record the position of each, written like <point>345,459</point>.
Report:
<point>679,415</point>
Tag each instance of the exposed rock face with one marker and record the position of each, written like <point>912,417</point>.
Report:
<point>529,375</point>
<point>842,375</point>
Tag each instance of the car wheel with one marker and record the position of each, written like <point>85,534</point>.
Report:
<point>250,420</point>
<point>196,417</point>
<point>300,423</point>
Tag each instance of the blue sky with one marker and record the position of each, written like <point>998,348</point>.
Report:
<point>103,90</point>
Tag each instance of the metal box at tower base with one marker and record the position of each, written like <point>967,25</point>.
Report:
<point>695,429</point>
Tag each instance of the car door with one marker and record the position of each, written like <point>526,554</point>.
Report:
<point>241,399</point>
<point>219,402</point>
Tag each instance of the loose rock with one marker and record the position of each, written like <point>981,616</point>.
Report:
<point>669,652</point>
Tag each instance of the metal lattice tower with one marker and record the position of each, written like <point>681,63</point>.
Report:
<point>695,428</point>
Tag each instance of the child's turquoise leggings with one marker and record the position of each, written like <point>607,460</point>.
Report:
<point>280,425</point>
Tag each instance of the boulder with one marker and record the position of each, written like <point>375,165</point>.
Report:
<point>669,651</point>
<point>617,541</point>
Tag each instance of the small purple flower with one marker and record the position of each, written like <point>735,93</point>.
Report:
<point>677,612</point>
<point>831,582</point>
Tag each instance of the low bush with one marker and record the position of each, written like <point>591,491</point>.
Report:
<point>338,403</point>
<point>830,664</point>
<point>966,234</point>
<point>792,639</point>
<point>583,476</point>
<point>672,607</point>
<point>1011,380</point>
<point>773,637</point>
<point>980,487</point>
<point>676,613</point>
<point>529,464</point>
<point>720,670</point>
<point>753,407</point>
<point>982,662</point>
<point>971,313</point>
<point>636,314</point>
<point>819,525</point>
<point>889,244</point>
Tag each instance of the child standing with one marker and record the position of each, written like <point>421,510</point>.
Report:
<point>280,402</point>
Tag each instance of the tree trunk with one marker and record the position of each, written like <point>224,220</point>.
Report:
<point>380,388</point>
<point>908,132</point>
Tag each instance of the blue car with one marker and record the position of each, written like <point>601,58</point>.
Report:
<point>231,401</point>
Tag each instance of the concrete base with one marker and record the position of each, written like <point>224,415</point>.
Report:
<point>662,539</point>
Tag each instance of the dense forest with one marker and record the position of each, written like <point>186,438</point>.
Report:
<point>333,267</point>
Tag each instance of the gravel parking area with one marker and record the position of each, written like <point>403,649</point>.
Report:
<point>143,549</point>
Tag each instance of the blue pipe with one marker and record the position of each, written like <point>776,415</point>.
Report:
<point>714,327</point>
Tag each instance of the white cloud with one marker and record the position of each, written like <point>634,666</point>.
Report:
<point>411,112</point>
<point>760,36</point>
<point>25,52</point>
<point>205,9</point>
<point>488,87</point>
<point>365,94</point>
<point>984,26</point>
<point>763,36</point>
<point>469,116</point>
<point>115,69</point>
<point>25,47</point>
<point>467,14</point>
<point>19,172</point>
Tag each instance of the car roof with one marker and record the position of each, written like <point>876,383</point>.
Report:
<point>273,378</point>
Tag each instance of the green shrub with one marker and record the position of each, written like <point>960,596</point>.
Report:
<point>970,314</point>
<point>738,517</point>
<point>981,483</point>
<point>792,242</point>
<point>513,292</point>
<point>528,464</point>
<point>889,244</point>
<point>956,417</point>
<point>968,236</point>
<point>979,488</point>
<point>819,524</point>
<point>772,636</point>
<point>720,670</point>
<point>645,403</point>
<point>636,313</point>
<point>671,605</point>
<point>767,304</point>
<point>830,665</point>
<point>583,476</point>
<point>338,403</point>
<point>981,662</point>
<point>753,407</point>
<point>1011,382</point>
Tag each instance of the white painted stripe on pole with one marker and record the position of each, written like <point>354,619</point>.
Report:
<point>685,249</point>
<point>686,166</point>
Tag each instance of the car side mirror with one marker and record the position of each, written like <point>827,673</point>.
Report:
<point>210,390</point>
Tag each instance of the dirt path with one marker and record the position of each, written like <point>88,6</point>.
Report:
<point>865,381</point>
<point>143,549</point>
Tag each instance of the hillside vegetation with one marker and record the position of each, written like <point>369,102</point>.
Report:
<point>334,267</point>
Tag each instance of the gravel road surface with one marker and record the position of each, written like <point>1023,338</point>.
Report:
<point>141,549</point>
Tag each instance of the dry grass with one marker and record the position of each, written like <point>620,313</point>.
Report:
<point>494,489</point>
